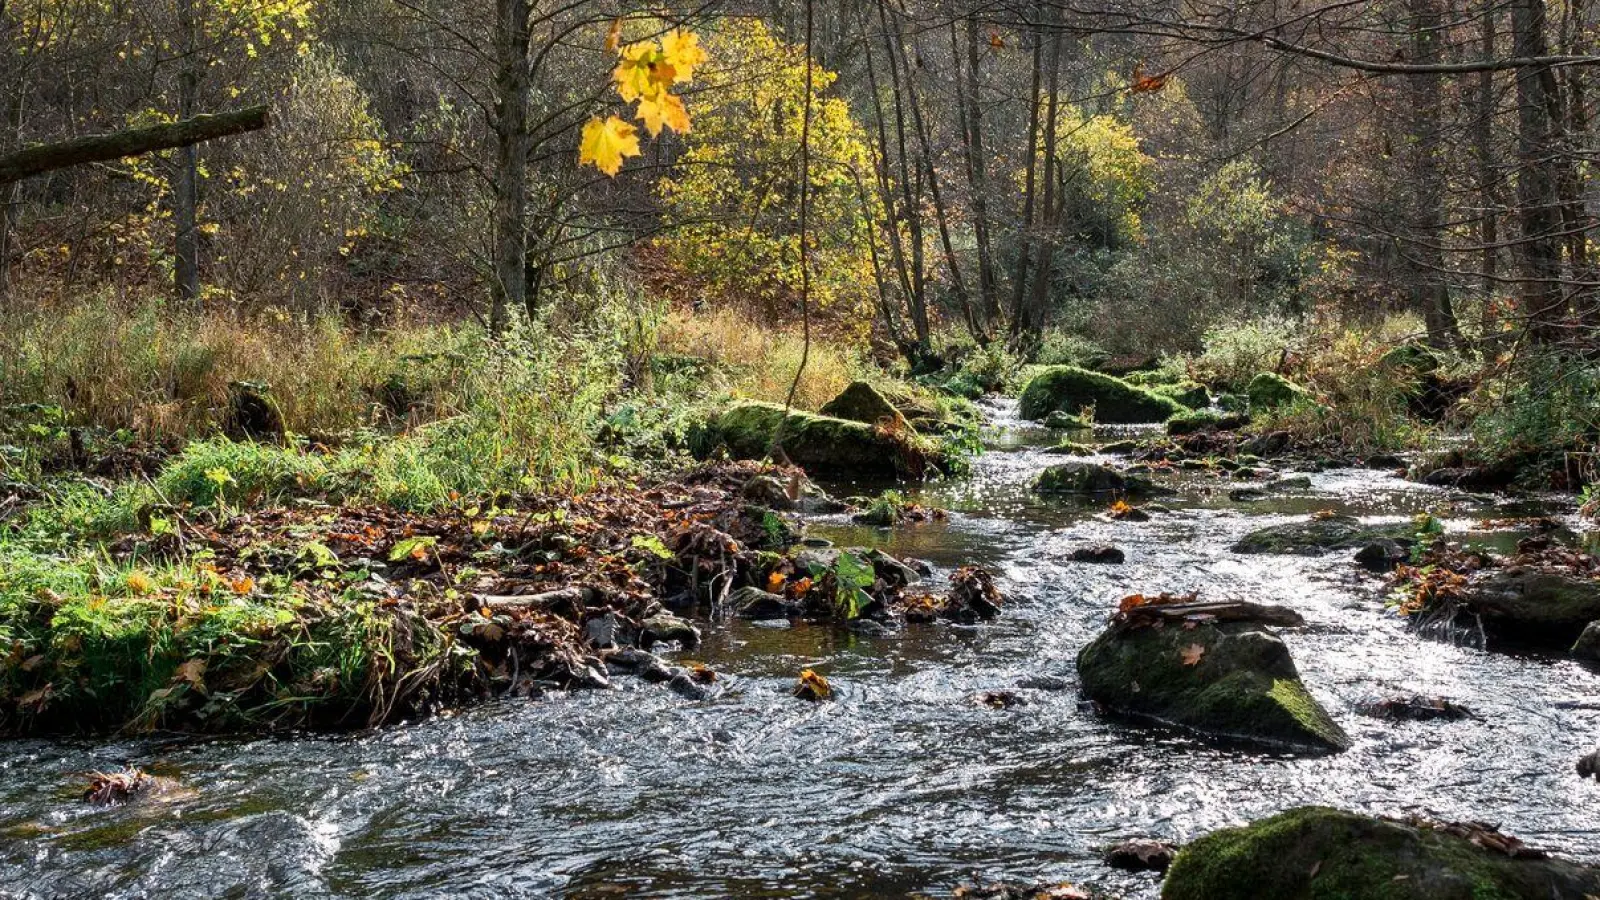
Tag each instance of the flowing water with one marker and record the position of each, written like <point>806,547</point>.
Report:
<point>903,785</point>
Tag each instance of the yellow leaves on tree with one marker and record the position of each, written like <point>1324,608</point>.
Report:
<point>607,143</point>
<point>645,73</point>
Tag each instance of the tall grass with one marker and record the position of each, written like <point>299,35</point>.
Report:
<point>759,363</point>
<point>163,371</point>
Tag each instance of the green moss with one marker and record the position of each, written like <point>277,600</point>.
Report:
<point>861,402</point>
<point>1268,391</point>
<point>820,444</point>
<point>1317,536</point>
<point>1114,401</point>
<point>1066,421</point>
<point>1089,479</point>
<point>1318,853</point>
<point>1189,393</point>
<point>1233,680</point>
<point>1201,419</point>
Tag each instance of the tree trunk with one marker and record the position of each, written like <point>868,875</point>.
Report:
<point>1544,306</point>
<point>186,165</point>
<point>1489,223</point>
<point>43,158</point>
<point>509,289</point>
<point>978,180</point>
<point>1019,286</point>
<point>1431,290</point>
<point>1039,292</point>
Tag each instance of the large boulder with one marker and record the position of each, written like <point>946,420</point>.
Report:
<point>861,402</point>
<point>1533,606</point>
<point>1189,393</point>
<point>1317,853</point>
<point>1229,679</point>
<point>1270,391</point>
<point>1092,480</point>
<point>819,444</point>
<point>1114,401</point>
<point>1319,535</point>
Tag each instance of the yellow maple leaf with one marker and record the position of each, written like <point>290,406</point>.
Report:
<point>607,143</point>
<point>666,110</point>
<point>139,582</point>
<point>614,36</point>
<point>638,72</point>
<point>683,52</point>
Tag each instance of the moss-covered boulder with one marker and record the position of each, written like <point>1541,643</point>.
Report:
<point>1114,401</point>
<point>1412,358</point>
<point>1269,391</point>
<point>819,444</point>
<point>1191,394</point>
<point>1533,606</point>
<point>1091,480</point>
<point>1226,679</point>
<point>1318,853</point>
<point>861,402</point>
<point>1319,535</point>
<point>1203,420</point>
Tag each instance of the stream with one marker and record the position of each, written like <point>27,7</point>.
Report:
<point>903,785</point>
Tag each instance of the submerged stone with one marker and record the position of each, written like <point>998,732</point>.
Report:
<point>1090,479</point>
<point>1533,606</point>
<point>1225,679</point>
<point>1070,389</point>
<point>1103,554</point>
<point>1318,853</point>
<point>1323,534</point>
<point>1066,421</point>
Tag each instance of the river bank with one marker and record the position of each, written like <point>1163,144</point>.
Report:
<point>907,781</point>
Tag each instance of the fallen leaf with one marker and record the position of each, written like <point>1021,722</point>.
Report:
<point>1192,654</point>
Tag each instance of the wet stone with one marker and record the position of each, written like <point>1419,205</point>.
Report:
<point>1099,553</point>
<point>1140,855</point>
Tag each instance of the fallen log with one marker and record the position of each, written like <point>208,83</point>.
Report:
<point>43,158</point>
<point>573,597</point>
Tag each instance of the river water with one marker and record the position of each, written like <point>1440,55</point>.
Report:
<point>904,785</point>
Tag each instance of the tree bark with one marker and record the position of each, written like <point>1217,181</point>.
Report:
<point>1431,291</point>
<point>978,181</point>
<point>186,166</point>
<point>1538,212</point>
<point>1483,133</point>
<point>1019,286</point>
<point>43,158</point>
<point>512,84</point>
<point>1039,291</point>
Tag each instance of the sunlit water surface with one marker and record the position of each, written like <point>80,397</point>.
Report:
<point>904,785</point>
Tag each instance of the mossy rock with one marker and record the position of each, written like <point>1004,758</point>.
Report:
<point>1318,853</point>
<point>1115,401</point>
<point>1231,680</point>
<point>1204,419</point>
<point>819,444</point>
<point>1189,393</point>
<point>1532,606</point>
<point>1069,448</point>
<point>1090,480</point>
<point>1413,358</point>
<point>861,402</point>
<point>1065,421</point>
<point>1318,536</point>
<point>1269,391</point>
